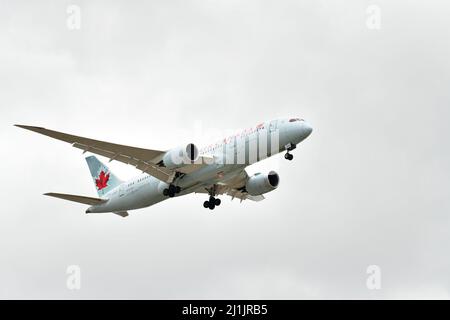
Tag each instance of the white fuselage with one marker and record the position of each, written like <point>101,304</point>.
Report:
<point>231,156</point>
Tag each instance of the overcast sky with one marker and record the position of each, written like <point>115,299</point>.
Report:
<point>370,186</point>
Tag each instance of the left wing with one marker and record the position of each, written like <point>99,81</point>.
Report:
<point>233,193</point>
<point>143,159</point>
<point>233,187</point>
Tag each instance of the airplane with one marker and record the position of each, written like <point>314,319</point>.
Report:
<point>214,170</point>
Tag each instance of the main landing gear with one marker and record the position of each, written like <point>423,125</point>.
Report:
<point>212,202</point>
<point>289,147</point>
<point>171,191</point>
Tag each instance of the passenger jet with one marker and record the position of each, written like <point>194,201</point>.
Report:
<point>214,170</point>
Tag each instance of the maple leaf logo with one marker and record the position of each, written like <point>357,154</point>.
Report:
<point>102,181</point>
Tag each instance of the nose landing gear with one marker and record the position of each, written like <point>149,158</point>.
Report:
<point>289,147</point>
<point>171,191</point>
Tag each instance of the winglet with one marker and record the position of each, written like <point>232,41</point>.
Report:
<point>27,127</point>
<point>31,128</point>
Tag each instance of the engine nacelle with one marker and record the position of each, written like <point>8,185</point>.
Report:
<point>259,183</point>
<point>179,156</point>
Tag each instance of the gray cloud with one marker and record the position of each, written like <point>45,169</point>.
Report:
<point>370,186</point>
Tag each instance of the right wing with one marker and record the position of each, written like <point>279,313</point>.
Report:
<point>143,159</point>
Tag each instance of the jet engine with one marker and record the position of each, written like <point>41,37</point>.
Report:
<point>179,156</point>
<point>259,183</point>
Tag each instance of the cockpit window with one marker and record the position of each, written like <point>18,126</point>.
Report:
<point>295,119</point>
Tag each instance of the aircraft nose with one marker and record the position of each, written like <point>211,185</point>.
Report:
<point>306,128</point>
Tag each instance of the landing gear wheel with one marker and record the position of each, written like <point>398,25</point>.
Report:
<point>171,191</point>
<point>212,202</point>
<point>288,156</point>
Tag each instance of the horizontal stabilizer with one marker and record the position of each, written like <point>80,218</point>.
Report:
<point>123,214</point>
<point>79,199</point>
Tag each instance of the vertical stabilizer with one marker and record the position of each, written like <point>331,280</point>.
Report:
<point>104,179</point>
